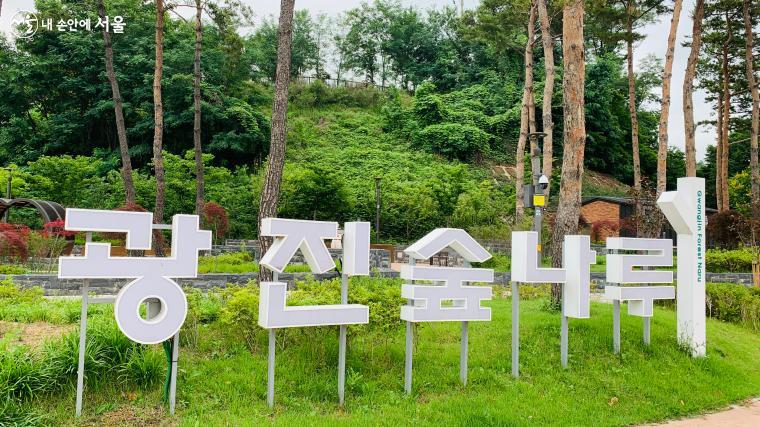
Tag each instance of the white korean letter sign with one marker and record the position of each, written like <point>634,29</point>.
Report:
<point>308,236</point>
<point>153,276</point>
<point>427,300</point>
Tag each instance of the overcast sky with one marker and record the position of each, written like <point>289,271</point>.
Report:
<point>655,43</point>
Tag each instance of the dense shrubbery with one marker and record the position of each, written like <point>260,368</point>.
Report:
<point>318,94</point>
<point>730,261</point>
<point>465,125</point>
<point>383,296</point>
<point>734,303</point>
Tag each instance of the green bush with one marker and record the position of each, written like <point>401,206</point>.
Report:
<point>240,315</point>
<point>232,262</point>
<point>734,303</point>
<point>12,269</point>
<point>730,260</point>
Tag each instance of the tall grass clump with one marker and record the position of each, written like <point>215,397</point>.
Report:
<point>27,305</point>
<point>232,263</point>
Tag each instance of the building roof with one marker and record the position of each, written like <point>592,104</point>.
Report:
<point>622,201</point>
<point>615,200</point>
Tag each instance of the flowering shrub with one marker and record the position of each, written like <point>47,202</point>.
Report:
<point>215,217</point>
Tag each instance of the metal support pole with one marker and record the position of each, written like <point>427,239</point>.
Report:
<point>82,338</point>
<point>409,350</point>
<point>464,346</point>
<point>271,360</point>
<point>342,344</point>
<point>647,329</point>
<point>173,378</point>
<point>408,359</point>
<point>515,331</point>
<point>563,341</point>
<point>616,326</point>
<point>463,354</point>
<point>270,369</point>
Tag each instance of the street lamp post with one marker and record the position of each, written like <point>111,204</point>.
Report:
<point>377,209</point>
<point>540,183</point>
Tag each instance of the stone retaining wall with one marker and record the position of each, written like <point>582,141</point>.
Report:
<point>53,286</point>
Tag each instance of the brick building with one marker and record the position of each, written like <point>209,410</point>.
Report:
<point>606,216</point>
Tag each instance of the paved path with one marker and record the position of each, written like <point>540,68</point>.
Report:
<point>745,414</point>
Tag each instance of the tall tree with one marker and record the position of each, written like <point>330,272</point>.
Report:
<point>726,117</point>
<point>637,13</point>
<point>755,123</point>
<point>546,105</point>
<point>573,82</point>
<point>126,161</point>
<point>524,117</point>
<point>662,148</point>
<point>158,117</point>
<point>719,152</point>
<point>270,193</point>
<point>688,89</point>
<point>199,181</point>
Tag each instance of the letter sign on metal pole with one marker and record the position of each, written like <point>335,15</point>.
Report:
<point>308,236</point>
<point>621,268</point>
<point>426,303</point>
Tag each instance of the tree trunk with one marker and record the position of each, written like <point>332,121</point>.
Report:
<point>158,129</point>
<point>632,107</point>
<point>199,183</point>
<point>725,203</point>
<point>755,125</point>
<point>573,59</point>
<point>719,154</point>
<point>126,161</point>
<point>546,107</point>
<point>662,149</point>
<point>688,89</point>
<point>270,193</point>
<point>534,160</point>
<point>524,119</point>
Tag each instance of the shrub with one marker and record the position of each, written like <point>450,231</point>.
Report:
<point>724,228</point>
<point>14,241</point>
<point>12,269</point>
<point>453,140</point>
<point>241,314</point>
<point>216,218</point>
<point>729,261</point>
<point>734,303</point>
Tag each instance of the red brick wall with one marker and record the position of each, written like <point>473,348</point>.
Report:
<point>600,210</point>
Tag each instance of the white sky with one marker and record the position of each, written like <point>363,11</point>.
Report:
<point>655,43</point>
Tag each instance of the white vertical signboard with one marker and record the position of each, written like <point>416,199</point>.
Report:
<point>685,210</point>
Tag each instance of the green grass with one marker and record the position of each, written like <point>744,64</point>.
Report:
<point>237,263</point>
<point>222,383</point>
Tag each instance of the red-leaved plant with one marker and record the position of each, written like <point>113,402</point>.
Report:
<point>215,217</point>
<point>14,242</point>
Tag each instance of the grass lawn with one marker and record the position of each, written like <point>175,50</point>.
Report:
<point>222,383</point>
